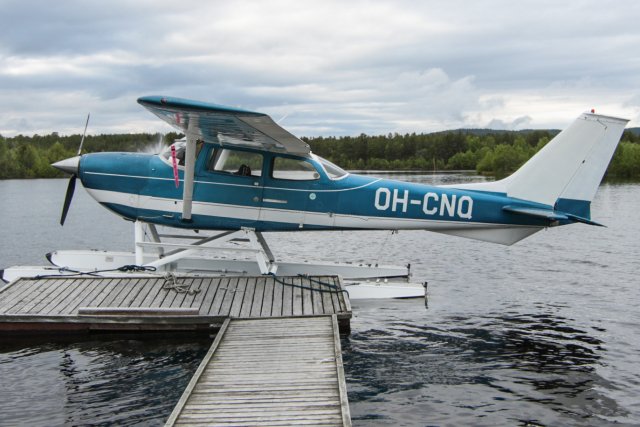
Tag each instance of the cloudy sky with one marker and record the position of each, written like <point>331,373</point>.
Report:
<point>319,67</point>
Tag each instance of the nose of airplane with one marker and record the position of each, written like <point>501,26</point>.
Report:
<point>69,165</point>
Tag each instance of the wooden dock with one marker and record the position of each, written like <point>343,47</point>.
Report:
<point>267,372</point>
<point>143,303</point>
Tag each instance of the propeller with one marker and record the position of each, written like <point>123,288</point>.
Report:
<point>71,187</point>
<point>71,166</point>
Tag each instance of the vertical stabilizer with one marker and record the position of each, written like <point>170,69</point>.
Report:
<point>565,173</point>
<point>571,165</point>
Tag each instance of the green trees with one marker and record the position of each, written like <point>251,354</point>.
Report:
<point>31,157</point>
<point>626,161</point>
<point>494,153</point>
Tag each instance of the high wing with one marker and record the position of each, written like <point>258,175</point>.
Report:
<point>224,125</point>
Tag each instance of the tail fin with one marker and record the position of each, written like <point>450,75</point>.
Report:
<point>565,173</point>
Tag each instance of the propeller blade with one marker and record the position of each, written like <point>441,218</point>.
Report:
<point>83,134</point>
<point>67,199</point>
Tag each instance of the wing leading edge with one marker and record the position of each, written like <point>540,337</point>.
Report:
<point>224,125</point>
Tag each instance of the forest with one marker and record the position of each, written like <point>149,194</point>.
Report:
<point>495,153</point>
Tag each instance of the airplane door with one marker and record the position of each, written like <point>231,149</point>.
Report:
<point>230,183</point>
<point>288,191</point>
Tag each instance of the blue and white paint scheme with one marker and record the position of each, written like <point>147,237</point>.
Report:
<point>288,188</point>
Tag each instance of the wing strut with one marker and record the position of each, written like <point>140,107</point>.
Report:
<point>190,161</point>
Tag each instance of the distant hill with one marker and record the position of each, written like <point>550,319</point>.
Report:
<point>484,131</point>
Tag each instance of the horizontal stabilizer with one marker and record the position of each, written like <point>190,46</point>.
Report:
<point>536,212</point>
<point>577,218</point>
<point>548,214</point>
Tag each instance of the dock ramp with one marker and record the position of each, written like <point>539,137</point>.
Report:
<point>266,372</point>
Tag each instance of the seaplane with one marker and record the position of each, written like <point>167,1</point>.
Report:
<point>237,174</point>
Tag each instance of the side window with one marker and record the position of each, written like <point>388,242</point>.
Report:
<point>234,162</point>
<point>292,169</point>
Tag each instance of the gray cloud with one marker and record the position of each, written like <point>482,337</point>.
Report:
<point>331,67</point>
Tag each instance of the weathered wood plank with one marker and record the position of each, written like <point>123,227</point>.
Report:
<point>231,286</point>
<point>247,298</point>
<point>327,300</point>
<point>238,297</point>
<point>258,297</point>
<point>207,294</point>
<point>220,296</point>
<point>287,296</point>
<point>278,296</point>
<point>334,294</point>
<point>198,289</point>
<point>297,296</point>
<point>307,298</point>
<point>267,298</point>
<point>318,307</point>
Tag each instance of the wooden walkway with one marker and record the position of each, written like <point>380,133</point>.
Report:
<point>267,372</point>
<point>155,303</point>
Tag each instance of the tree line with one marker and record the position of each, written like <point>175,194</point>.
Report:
<point>496,153</point>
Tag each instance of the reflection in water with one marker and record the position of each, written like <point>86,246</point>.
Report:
<point>486,364</point>
<point>107,382</point>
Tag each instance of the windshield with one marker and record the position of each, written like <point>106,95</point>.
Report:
<point>333,171</point>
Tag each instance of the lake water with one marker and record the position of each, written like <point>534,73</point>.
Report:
<point>545,332</point>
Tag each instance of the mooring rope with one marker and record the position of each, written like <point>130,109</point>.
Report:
<point>95,273</point>
<point>332,288</point>
<point>171,284</point>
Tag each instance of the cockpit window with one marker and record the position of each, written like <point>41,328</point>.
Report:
<point>334,172</point>
<point>181,149</point>
<point>235,162</point>
<point>293,169</point>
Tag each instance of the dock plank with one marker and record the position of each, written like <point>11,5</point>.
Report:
<point>287,296</point>
<point>231,289</point>
<point>238,297</point>
<point>218,299</point>
<point>297,301</point>
<point>327,299</point>
<point>267,299</point>
<point>247,300</point>
<point>278,296</point>
<point>258,298</point>
<point>307,301</point>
